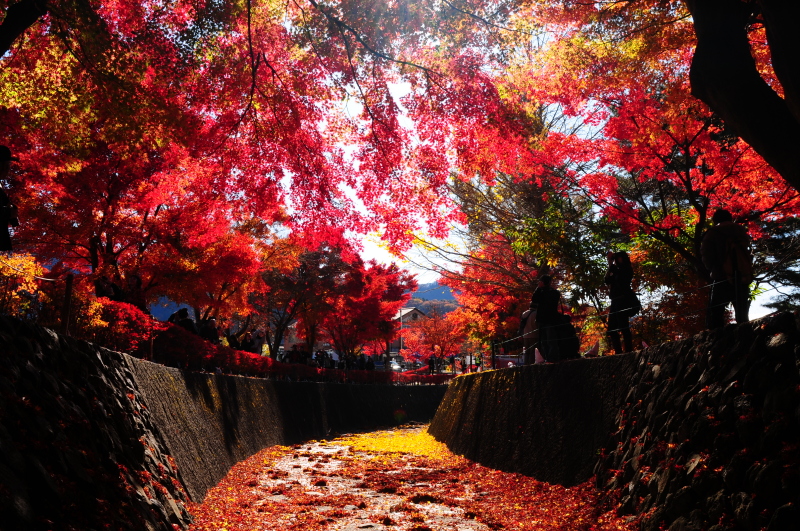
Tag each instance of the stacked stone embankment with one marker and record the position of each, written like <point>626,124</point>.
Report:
<point>94,439</point>
<point>697,434</point>
<point>709,433</point>
<point>78,448</point>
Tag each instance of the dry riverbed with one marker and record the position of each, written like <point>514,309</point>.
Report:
<point>397,480</point>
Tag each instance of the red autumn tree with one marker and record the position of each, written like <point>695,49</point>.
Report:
<point>367,298</point>
<point>740,53</point>
<point>440,335</point>
<point>299,288</point>
<point>265,95</point>
<point>493,288</point>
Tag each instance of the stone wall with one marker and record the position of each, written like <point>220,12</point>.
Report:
<point>545,421</point>
<point>94,439</point>
<point>709,434</point>
<point>697,434</point>
<point>210,422</point>
<point>78,448</point>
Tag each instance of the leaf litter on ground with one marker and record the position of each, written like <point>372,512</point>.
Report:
<point>396,480</point>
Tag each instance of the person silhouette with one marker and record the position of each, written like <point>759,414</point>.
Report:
<point>717,253</point>
<point>623,301</point>
<point>8,212</point>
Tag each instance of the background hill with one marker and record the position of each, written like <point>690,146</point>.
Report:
<point>433,295</point>
<point>433,291</point>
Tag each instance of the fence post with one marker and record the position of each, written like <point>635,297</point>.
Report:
<point>67,303</point>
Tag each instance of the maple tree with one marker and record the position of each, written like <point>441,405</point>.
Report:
<point>154,137</point>
<point>652,159</point>
<point>267,92</point>
<point>493,288</point>
<point>439,334</point>
<point>740,58</point>
<point>119,326</point>
<point>518,230</point>
<point>655,160</point>
<point>18,281</point>
<point>365,300</point>
<point>298,288</point>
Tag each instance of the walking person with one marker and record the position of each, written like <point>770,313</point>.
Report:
<point>546,299</point>
<point>624,303</point>
<point>725,251</point>
<point>8,212</point>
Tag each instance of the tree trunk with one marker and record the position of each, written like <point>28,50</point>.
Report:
<point>724,75</point>
<point>19,17</point>
<point>780,18</point>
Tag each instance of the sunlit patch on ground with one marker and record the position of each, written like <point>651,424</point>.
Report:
<point>397,480</point>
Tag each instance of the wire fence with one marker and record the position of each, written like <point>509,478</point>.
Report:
<point>604,317</point>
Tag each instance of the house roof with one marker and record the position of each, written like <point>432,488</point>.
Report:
<point>407,311</point>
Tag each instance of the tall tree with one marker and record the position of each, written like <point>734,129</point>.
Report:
<point>368,297</point>
<point>742,58</point>
<point>272,92</point>
<point>299,288</point>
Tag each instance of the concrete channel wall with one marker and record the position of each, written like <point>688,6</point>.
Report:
<point>209,422</point>
<point>95,439</point>
<point>545,421</point>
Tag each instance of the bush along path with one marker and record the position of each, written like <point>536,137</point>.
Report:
<point>394,480</point>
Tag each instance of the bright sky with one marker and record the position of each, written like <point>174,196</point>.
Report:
<point>374,251</point>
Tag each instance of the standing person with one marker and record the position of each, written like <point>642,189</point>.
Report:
<point>725,252</point>
<point>546,299</point>
<point>182,319</point>
<point>209,331</point>
<point>8,212</point>
<point>624,303</point>
<point>232,338</point>
<point>259,338</point>
<point>104,287</point>
<point>247,342</point>
<point>529,333</point>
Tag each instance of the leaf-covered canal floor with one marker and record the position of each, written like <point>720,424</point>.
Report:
<point>394,480</point>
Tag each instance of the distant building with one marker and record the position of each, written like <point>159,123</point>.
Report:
<point>405,316</point>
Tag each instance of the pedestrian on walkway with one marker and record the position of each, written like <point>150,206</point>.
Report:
<point>725,251</point>
<point>8,211</point>
<point>530,334</point>
<point>624,303</point>
<point>546,299</point>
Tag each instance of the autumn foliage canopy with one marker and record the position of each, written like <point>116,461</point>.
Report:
<point>186,149</point>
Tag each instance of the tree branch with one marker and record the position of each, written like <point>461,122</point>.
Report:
<point>19,17</point>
